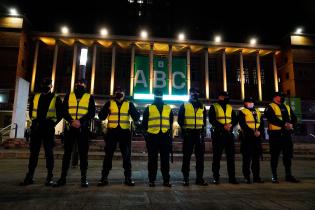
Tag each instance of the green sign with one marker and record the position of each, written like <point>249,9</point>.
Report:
<point>295,104</point>
<point>160,75</point>
<point>142,83</point>
<point>179,69</point>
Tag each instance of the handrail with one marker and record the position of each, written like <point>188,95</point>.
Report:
<point>8,128</point>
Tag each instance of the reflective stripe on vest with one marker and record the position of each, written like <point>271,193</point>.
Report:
<point>193,120</point>
<point>250,120</point>
<point>278,114</point>
<point>223,118</point>
<point>156,122</point>
<point>78,110</point>
<point>118,116</point>
<point>51,112</point>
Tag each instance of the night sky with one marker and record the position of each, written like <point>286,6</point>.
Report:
<point>235,20</point>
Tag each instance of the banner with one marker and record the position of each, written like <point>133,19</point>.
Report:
<point>160,75</point>
<point>142,73</point>
<point>179,83</point>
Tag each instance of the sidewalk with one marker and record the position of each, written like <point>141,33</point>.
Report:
<point>117,196</point>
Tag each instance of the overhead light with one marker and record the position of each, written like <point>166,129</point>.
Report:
<point>144,34</point>
<point>253,41</point>
<point>217,39</point>
<point>64,30</point>
<point>104,32</point>
<point>299,30</point>
<point>83,56</point>
<point>181,36</point>
<point>13,12</point>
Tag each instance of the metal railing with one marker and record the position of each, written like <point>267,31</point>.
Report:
<point>6,130</point>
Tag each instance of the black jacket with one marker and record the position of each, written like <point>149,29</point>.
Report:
<point>213,119</point>
<point>244,126</point>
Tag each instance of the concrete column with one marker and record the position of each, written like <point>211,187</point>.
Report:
<point>188,70</point>
<point>242,79</point>
<point>34,66</point>
<point>74,65</point>
<point>132,68</point>
<point>258,76</point>
<point>207,73</point>
<point>224,70</point>
<point>93,68</point>
<point>112,73</point>
<point>151,67</point>
<point>170,72</point>
<point>54,67</point>
<point>275,72</point>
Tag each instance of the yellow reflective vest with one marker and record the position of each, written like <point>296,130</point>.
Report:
<point>118,116</point>
<point>278,114</point>
<point>221,117</point>
<point>51,113</point>
<point>157,122</point>
<point>250,120</point>
<point>193,120</point>
<point>78,109</point>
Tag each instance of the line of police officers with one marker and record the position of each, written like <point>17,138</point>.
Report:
<point>78,108</point>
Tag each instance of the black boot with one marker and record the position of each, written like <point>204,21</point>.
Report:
<point>151,184</point>
<point>186,181</point>
<point>84,182</point>
<point>129,182</point>
<point>216,180</point>
<point>292,179</point>
<point>28,180</point>
<point>275,180</point>
<point>49,180</point>
<point>247,180</point>
<point>201,182</point>
<point>61,182</point>
<point>103,181</point>
<point>167,184</point>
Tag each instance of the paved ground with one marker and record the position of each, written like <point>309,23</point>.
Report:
<point>116,196</point>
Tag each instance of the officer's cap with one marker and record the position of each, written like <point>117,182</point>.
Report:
<point>82,81</point>
<point>46,82</point>
<point>224,93</point>
<point>119,89</point>
<point>248,99</point>
<point>281,94</point>
<point>158,93</point>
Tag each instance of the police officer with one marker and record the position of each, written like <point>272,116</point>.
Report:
<point>117,112</point>
<point>281,119</point>
<point>192,118</point>
<point>157,123</point>
<point>79,109</point>
<point>252,128</point>
<point>45,110</point>
<point>223,119</point>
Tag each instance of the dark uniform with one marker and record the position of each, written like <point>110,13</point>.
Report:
<point>118,132</point>
<point>280,140</point>
<point>192,121</point>
<point>250,121</point>
<point>43,131</point>
<point>222,139</point>
<point>84,112</point>
<point>157,122</point>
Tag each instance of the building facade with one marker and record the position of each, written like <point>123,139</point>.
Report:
<point>142,65</point>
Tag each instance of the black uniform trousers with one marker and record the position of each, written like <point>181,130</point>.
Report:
<point>158,143</point>
<point>251,150</point>
<point>193,140</point>
<point>280,141</point>
<point>222,140</point>
<point>123,137</point>
<point>79,136</point>
<point>42,133</point>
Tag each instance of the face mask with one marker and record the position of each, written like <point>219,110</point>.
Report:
<point>45,89</point>
<point>226,100</point>
<point>80,88</point>
<point>282,100</point>
<point>250,105</point>
<point>119,96</point>
<point>194,96</point>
